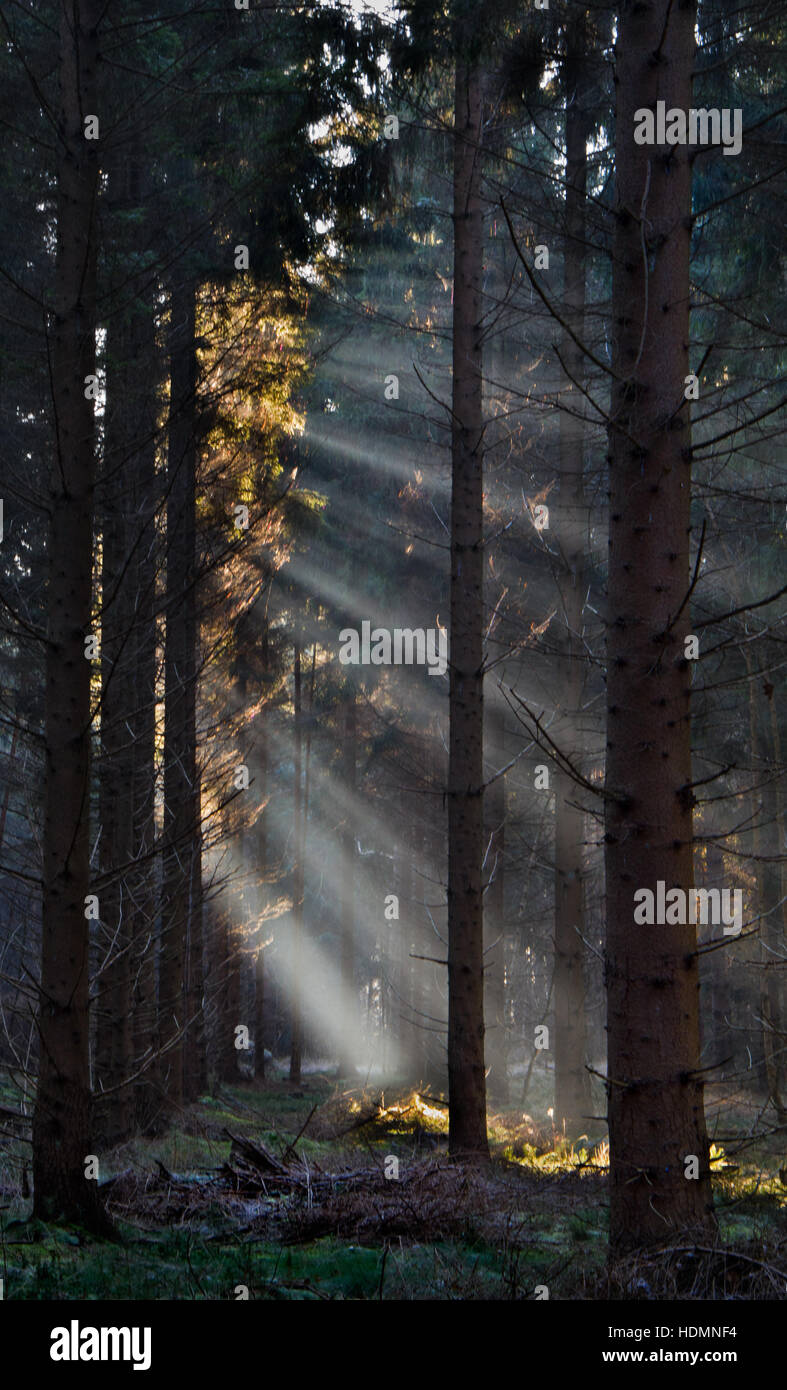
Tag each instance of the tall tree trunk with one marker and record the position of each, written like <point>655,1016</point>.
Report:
<point>127,630</point>
<point>718,1046</point>
<point>262,893</point>
<point>466,1079</point>
<point>181,916</point>
<point>215,987</point>
<point>769,842</point>
<point>348,1062</point>
<point>298,868</point>
<point>62,1119</point>
<point>428,1016</point>
<point>230,1011</point>
<point>195,1071</point>
<point>259,1014</point>
<point>116,788</point>
<point>656,1117</point>
<point>430,993</point>
<point>494,922</point>
<point>142,722</point>
<point>8,783</point>
<point>414,947</point>
<point>405,890</point>
<point>572,1089</point>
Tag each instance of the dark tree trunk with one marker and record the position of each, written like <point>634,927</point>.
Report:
<point>770,839</point>
<point>62,1119</point>
<point>348,1061</point>
<point>216,1022</point>
<point>259,1015</point>
<point>261,894</point>
<point>466,1078</point>
<point>409,913</point>
<point>230,997</point>
<point>429,1017</point>
<point>142,721</point>
<point>195,1070</point>
<point>127,774</point>
<point>181,917</point>
<point>256,841</point>
<point>417,946</point>
<point>116,804</point>
<point>494,923</point>
<point>717,1044</point>
<point>296,1044</point>
<point>572,1089</point>
<point>656,1116</point>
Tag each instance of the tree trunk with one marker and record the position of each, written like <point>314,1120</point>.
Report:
<point>656,1116</point>
<point>256,841</point>
<point>181,916</point>
<point>128,694</point>
<point>296,1044</point>
<point>572,1089</point>
<point>348,1062</point>
<point>230,998</point>
<point>261,895</point>
<point>408,912</point>
<point>116,805</point>
<point>466,1080</point>
<point>769,840</point>
<point>494,923</point>
<point>259,1014</point>
<point>142,720</point>
<point>62,1119</point>
<point>195,1070</point>
<point>718,1044</point>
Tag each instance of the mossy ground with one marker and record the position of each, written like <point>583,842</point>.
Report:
<point>538,1216</point>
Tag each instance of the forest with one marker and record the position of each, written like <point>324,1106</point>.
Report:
<point>393,611</point>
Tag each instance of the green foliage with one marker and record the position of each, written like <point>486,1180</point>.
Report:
<point>555,1234</point>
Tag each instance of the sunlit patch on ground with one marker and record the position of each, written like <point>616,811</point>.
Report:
<point>286,1193</point>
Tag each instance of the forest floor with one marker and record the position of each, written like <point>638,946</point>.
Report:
<point>326,1193</point>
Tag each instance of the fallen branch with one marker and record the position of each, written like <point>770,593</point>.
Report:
<point>255,1154</point>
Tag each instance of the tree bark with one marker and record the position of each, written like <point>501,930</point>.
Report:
<point>62,1118</point>
<point>572,1089</point>
<point>495,924</point>
<point>259,1014</point>
<point>296,1044</point>
<point>230,1013</point>
<point>466,1079</point>
<point>181,916</point>
<point>769,838</point>
<point>348,1062</point>
<point>656,1116</point>
<point>127,773</point>
<point>195,1071</point>
<point>142,721</point>
<point>261,896</point>
<point>116,787</point>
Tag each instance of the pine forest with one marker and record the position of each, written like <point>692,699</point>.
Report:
<point>393,635</point>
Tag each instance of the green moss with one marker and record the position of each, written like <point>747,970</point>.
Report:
<point>556,1235</point>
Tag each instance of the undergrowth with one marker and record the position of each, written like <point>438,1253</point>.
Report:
<point>329,1223</point>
